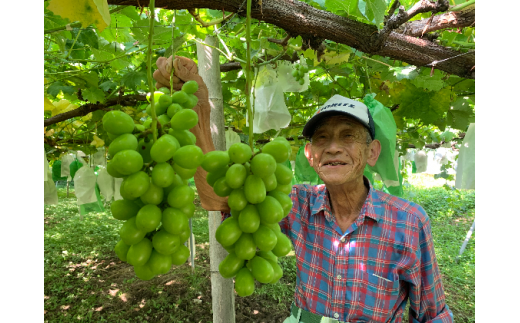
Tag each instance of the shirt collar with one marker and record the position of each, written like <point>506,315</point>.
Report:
<point>322,202</point>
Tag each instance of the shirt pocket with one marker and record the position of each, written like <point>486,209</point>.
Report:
<point>380,294</point>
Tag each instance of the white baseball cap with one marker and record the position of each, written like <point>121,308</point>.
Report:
<point>340,105</point>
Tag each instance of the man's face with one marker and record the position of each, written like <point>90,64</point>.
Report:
<point>338,151</point>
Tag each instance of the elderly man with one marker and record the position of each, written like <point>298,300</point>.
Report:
<point>360,253</point>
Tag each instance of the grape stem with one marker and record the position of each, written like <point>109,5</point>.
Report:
<point>151,7</point>
<point>248,73</point>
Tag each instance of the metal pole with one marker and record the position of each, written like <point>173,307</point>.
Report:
<point>468,236</point>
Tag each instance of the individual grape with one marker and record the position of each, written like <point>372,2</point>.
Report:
<point>230,266</point>
<point>181,255</point>
<point>163,119</point>
<point>228,232</point>
<point>154,195</point>
<point>301,81</point>
<point>125,194</point>
<point>244,282</point>
<point>166,243</point>
<point>261,270</point>
<point>139,253</point>
<point>147,123</point>
<point>263,165</point>
<point>212,177</point>
<point>179,97</point>
<point>183,136</point>
<point>265,239</point>
<point>185,235</point>
<point>117,122</point>
<point>237,199</point>
<point>121,250</point>
<point>126,141</point>
<point>174,221</point>
<point>270,182</point>
<point>276,149</point>
<point>283,245</point>
<point>188,209</point>
<point>254,188</point>
<point>267,255</point>
<point>286,189</point>
<point>136,184</point>
<point>190,87</point>
<point>189,156</point>
<point>112,171</point>
<point>163,174</point>
<point>159,264</point>
<point>236,176</point>
<point>278,272</point>
<point>245,247</point>
<point>180,195</point>
<point>164,148</point>
<point>270,210</point>
<point>215,160</point>
<point>249,219</point>
<point>284,174</point>
<point>140,127</point>
<point>129,232</point>
<point>144,272</point>
<point>124,209</point>
<point>148,218</point>
<point>184,119</point>
<point>127,162</point>
<point>284,199</point>
<point>184,173</point>
<point>239,153</point>
<point>191,102</point>
<point>164,101</point>
<point>164,90</point>
<point>221,187</point>
<point>173,109</point>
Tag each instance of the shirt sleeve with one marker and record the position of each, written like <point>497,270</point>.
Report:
<point>427,300</point>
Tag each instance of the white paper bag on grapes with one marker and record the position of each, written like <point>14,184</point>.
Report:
<point>99,157</point>
<point>270,109</point>
<point>50,196</point>
<point>84,185</point>
<point>66,160</point>
<point>105,183</point>
<point>117,189</point>
<point>231,138</point>
<point>45,166</point>
<point>421,161</point>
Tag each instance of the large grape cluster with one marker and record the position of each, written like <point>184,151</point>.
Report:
<point>157,200</point>
<point>258,187</point>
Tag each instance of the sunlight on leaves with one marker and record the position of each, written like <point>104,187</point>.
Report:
<point>85,11</point>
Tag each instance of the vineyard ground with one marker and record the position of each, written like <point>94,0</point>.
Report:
<point>85,281</point>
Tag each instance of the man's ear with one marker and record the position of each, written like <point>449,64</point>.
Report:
<point>308,152</point>
<point>374,150</point>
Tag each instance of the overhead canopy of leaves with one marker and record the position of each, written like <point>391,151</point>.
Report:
<point>88,64</point>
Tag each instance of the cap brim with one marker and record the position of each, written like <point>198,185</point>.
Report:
<point>308,129</point>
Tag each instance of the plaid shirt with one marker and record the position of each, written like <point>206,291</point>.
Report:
<point>367,273</point>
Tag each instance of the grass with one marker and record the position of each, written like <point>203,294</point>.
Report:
<point>85,281</point>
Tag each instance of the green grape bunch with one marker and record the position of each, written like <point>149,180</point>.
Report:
<point>258,188</point>
<point>157,200</point>
<point>298,73</point>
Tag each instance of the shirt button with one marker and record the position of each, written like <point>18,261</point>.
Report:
<point>342,240</point>
<point>339,276</point>
<point>336,315</point>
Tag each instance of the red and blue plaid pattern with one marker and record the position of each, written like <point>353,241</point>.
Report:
<point>367,273</point>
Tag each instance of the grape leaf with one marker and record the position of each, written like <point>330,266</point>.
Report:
<point>93,95</point>
<point>432,83</point>
<point>133,79</point>
<point>55,88</point>
<point>374,10</point>
<point>107,86</point>
<point>428,106</point>
<point>86,11</point>
<point>89,37</point>
<point>343,7</point>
